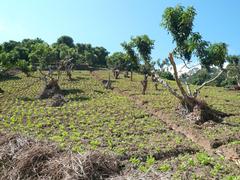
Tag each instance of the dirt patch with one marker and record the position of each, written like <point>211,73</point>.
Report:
<point>225,140</point>
<point>50,89</point>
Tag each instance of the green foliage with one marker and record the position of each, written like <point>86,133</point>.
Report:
<point>135,161</point>
<point>99,119</point>
<point>67,40</point>
<point>144,45</point>
<point>132,58</point>
<point>94,56</point>
<point>203,158</point>
<point>233,69</point>
<point>216,55</point>
<point>179,22</point>
<point>164,167</point>
<point>38,53</point>
<point>42,55</point>
<point>117,60</point>
<point>166,75</point>
<point>150,160</point>
<point>23,66</point>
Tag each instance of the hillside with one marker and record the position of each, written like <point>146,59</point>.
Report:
<point>144,132</point>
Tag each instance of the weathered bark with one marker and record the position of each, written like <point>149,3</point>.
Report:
<point>116,73</point>
<point>107,83</point>
<point>69,75</point>
<point>131,75</point>
<point>50,89</point>
<point>144,84</point>
<point>179,84</point>
<point>236,87</point>
<point>199,109</point>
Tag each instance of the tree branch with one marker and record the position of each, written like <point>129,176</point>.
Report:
<point>179,84</point>
<point>207,82</point>
<point>168,87</point>
<point>188,88</point>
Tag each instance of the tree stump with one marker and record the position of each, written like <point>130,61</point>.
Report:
<point>69,75</point>
<point>116,73</point>
<point>236,87</point>
<point>126,74</point>
<point>50,89</point>
<point>199,112</point>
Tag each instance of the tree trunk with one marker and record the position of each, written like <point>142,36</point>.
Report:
<point>50,89</point>
<point>131,76</point>
<point>144,84</point>
<point>156,86</point>
<point>198,109</point>
<point>116,73</point>
<point>126,74</point>
<point>26,73</point>
<point>69,74</point>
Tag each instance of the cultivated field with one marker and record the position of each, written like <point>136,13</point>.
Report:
<point>143,131</point>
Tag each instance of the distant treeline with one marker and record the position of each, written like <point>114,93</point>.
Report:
<point>30,53</point>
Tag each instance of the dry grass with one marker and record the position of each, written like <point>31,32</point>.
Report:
<point>23,158</point>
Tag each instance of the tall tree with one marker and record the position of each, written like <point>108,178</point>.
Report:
<point>131,57</point>
<point>67,40</point>
<point>178,21</point>
<point>117,61</point>
<point>144,46</point>
<point>233,69</point>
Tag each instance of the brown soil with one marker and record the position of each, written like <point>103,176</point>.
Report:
<point>225,140</point>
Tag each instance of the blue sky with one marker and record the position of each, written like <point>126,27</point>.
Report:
<point>109,22</point>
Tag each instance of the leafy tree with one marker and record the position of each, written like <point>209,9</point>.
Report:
<point>94,56</point>
<point>90,57</point>
<point>9,46</point>
<point>166,75</point>
<point>117,60</point>
<point>67,40</point>
<point>101,54</point>
<point>24,67</point>
<point>233,69</point>
<point>178,21</point>
<point>42,55</point>
<point>132,58</point>
<point>144,46</point>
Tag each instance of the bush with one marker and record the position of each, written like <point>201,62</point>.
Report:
<point>166,75</point>
<point>24,67</point>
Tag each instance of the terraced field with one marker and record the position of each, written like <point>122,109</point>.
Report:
<point>219,98</point>
<point>98,119</point>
